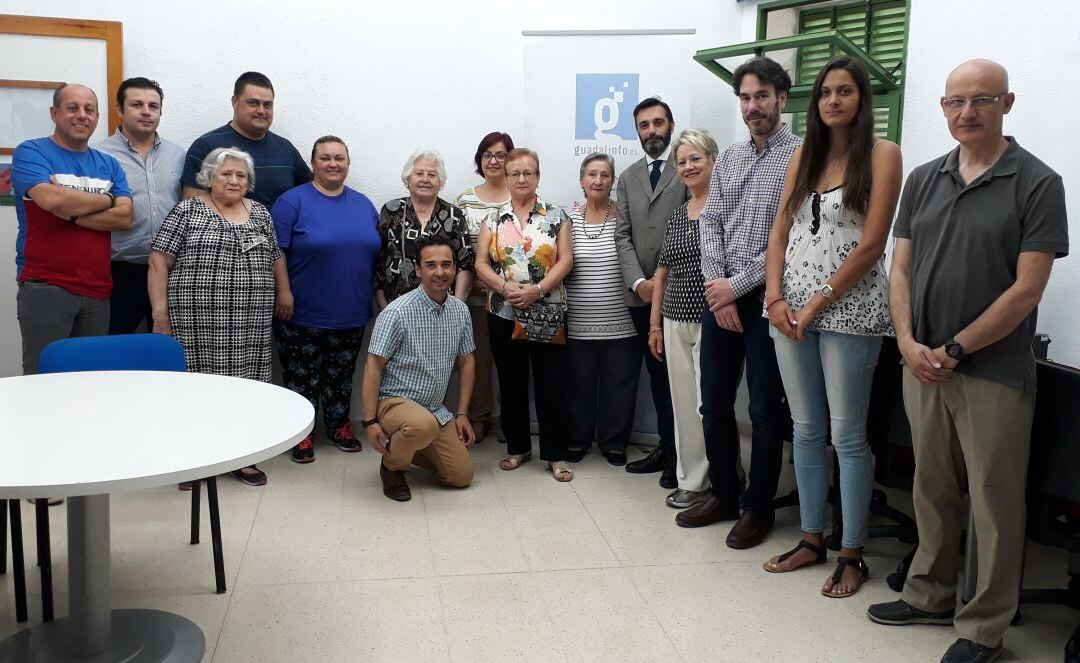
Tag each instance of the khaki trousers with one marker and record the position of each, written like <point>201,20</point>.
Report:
<point>482,403</point>
<point>969,433</point>
<point>416,438</point>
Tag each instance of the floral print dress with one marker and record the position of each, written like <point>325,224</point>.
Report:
<point>524,254</point>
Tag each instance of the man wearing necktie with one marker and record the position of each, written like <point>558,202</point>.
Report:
<point>648,192</point>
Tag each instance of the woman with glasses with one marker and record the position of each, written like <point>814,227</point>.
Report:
<point>525,252</point>
<point>827,301</point>
<point>601,344</point>
<point>403,221</point>
<point>477,202</point>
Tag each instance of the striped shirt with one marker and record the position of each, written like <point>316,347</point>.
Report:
<point>421,339</point>
<point>743,196</point>
<point>594,288</point>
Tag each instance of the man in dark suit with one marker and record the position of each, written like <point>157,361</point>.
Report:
<point>648,193</point>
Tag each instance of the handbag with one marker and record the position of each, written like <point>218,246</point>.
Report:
<point>540,323</point>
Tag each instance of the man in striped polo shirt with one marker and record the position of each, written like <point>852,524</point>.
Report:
<point>416,342</point>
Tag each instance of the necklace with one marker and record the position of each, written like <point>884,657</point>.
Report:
<point>585,229</point>
<point>214,203</point>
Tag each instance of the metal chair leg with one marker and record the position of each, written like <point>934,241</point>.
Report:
<point>44,557</point>
<point>17,566</point>
<point>3,537</point>
<point>215,533</point>
<point>196,488</point>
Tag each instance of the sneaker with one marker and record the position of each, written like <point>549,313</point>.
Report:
<point>966,651</point>
<point>900,613</point>
<point>303,452</point>
<point>343,439</point>
<point>681,499</point>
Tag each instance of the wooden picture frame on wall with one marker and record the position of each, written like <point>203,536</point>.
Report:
<point>111,32</point>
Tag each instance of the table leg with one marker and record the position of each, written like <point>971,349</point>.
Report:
<point>89,575</point>
<point>94,632</point>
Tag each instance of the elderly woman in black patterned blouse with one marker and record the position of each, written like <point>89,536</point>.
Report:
<point>403,221</point>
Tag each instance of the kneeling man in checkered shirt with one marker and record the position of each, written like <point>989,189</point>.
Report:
<point>417,340</point>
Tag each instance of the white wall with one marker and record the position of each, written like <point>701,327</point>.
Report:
<point>390,77</point>
<point>387,77</point>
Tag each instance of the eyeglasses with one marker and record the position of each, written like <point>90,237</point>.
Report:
<point>958,103</point>
<point>494,156</point>
<point>523,174</point>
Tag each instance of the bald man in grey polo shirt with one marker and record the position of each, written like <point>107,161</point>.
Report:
<point>977,233</point>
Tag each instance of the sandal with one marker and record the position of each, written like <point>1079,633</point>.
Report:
<point>838,574</point>
<point>514,461</point>
<point>560,469</point>
<point>814,548</point>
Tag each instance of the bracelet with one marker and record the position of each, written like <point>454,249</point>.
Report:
<point>770,304</point>
<point>462,414</point>
<point>112,199</point>
<point>540,290</point>
<point>656,330</point>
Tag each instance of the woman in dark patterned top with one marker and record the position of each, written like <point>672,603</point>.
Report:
<point>216,276</point>
<point>403,221</point>
<point>678,277</point>
<point>827,301</point>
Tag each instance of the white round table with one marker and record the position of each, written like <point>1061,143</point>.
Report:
<point>85,435</point>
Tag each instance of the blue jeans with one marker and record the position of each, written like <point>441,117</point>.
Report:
<point>827,377</point>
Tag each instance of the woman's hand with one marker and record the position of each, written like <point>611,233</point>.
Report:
<point>162,325</point>
<point>780,317</point>
<point>283,306</point>
<point>520,296</point>
<point>656,342</point>
<point>807,315</point>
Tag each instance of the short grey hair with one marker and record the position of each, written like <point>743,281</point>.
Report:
<point>213,161</point>
<point>424,153</point>
<point>597,156</point>
<point>699,139</point>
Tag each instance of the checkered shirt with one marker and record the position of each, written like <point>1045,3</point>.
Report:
<point>743,196</point>
<point>421,340</point>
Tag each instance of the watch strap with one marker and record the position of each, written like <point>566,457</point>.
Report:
<point>367,422</point>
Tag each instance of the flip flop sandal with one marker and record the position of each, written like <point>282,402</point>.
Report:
<point>514,461</point>
<point>561,471</point>
<point>817,550</point>
<point>838,574</point>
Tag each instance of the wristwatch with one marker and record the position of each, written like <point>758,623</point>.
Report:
<point>954,349</point>
<point>367,422</point>
<point>827,292</point>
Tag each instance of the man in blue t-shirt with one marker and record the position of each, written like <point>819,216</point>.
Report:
<point>68,199</point>
<point>278,165</point>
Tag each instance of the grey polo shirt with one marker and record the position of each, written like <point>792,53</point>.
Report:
<point>420,340</point>
<point>966,240</point>
<point>155,190</point>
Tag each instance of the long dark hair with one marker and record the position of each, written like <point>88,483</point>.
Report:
<point>817,141</point>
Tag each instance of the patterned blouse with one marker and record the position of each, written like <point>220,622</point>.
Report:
<point>476,211</point>
<point>684,298</point>
<point>400,229</point>
<point>823,234</point>
<point>524,255</point>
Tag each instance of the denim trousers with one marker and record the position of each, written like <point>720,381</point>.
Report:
<point>827,376</point>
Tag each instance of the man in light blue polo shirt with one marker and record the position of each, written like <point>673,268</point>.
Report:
<point>416,342</point>
<point>153,166</point>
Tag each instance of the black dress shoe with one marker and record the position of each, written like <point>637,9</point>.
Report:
<point>654,462</point>
<point>966,651</point>
<point>712,510</point>
<point>751,529</point>
<point>668,479</point>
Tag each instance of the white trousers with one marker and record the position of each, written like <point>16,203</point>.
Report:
<point>682,348</point>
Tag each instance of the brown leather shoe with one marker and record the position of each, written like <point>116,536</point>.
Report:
<point>751,529</point>
<point>394,485</point>
<point>712,510</point>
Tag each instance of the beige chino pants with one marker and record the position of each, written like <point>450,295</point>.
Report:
<point>416,438</point>
<point>970,433</point>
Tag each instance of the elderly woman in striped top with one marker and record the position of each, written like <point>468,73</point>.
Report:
<point>604,361</point>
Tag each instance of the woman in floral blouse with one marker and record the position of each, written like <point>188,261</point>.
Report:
<point>403,221</point>
<point>524,252</point>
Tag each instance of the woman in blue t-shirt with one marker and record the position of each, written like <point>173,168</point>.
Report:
<point>327,232</point>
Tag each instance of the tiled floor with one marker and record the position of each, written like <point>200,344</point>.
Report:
<point>518,567</point>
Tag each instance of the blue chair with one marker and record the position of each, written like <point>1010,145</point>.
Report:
<point>126,352</point>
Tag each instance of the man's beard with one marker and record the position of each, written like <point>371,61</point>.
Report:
<point>654,147</point>
<point>774,120</point>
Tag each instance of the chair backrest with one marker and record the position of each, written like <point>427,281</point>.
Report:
<point>125,352</point>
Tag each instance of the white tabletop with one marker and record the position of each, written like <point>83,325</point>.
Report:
<point>68,434</point>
